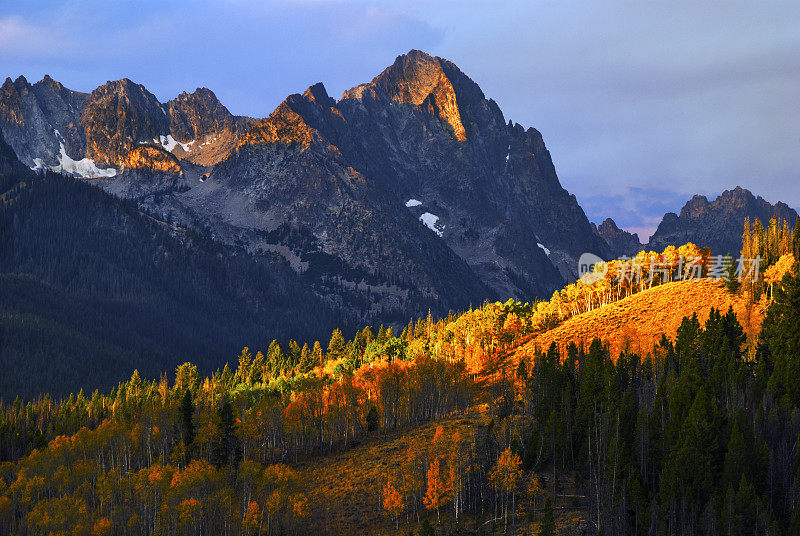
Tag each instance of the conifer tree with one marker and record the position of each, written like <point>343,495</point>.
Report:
<point>187,417</point>
<point>336,346</point>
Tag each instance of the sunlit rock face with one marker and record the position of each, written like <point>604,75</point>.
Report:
<point>117,117</point>
<point>152,157</point>
<point>411,192</point>
<point>102,128</point>
<point>484,189</point>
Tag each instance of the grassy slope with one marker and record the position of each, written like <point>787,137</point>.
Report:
<point>345,489</point>
<point>637,322</point>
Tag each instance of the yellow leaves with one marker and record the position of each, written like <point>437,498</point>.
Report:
<point>775,273</point>
<point>506,474</point>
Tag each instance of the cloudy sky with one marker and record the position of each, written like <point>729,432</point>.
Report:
<point>642,103</point>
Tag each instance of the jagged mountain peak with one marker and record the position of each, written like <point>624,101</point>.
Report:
<point>411,78</point>
<point>319,94</point>
<point>48,81</point>
<point>696,206</point>
<point>283,126</point>
<point>717,224</point>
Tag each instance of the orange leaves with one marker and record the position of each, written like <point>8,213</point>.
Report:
<point>437,492</point>
<point>299,506</point>
<point>102,527</point>
<point>190,512</point>
<point>392,499</point>
<point>5,509</point>
<point>252,516</point>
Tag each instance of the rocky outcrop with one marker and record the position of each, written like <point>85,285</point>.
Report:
<point>38,120</point>
<point>718,224</point>
<point>620,242</point>
<point>200,120</point>
<point>9,164</point>
<point>119,116</point>
<point>153,158</point>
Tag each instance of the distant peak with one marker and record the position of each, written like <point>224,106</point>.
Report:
<point>48,81</point>
<point>200,93</point>
<point>610,224</point>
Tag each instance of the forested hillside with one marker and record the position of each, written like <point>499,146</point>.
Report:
<point>90,289</point>
<point>695,435</point>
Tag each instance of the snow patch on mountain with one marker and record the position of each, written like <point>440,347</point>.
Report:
<point>413,203</point>
<point>38,164</point>
<point>546,251</point>
<point>84,168</point>
<point>430,221</point>
<point>169,143</point>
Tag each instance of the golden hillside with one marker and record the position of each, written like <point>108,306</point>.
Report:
<point>638,321</point>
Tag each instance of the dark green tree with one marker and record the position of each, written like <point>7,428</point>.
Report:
<point>187,417</point>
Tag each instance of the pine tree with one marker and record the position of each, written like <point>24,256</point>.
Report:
<point>381,337</point>
<point>305,359</point>
<point>731,278</point>
<point>781,332</point>
<point>257,369</point>
<point>275,359</point>
<point>796,238</point>
<point>336,346</point>
<point>187,417</point>
<point>548,525</point>
<point>226,450</point>
<point>243,371</point>
<point>316,354</point>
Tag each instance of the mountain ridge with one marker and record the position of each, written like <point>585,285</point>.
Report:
<point>326,182</point>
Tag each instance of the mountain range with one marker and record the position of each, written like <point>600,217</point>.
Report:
<point>400,188</point>
<point>410,193</point>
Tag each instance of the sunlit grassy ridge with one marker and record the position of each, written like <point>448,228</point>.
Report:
<point>636,323</point>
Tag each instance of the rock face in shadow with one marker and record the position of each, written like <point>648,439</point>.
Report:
<point>718,224</point>
<point>620,242</point>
